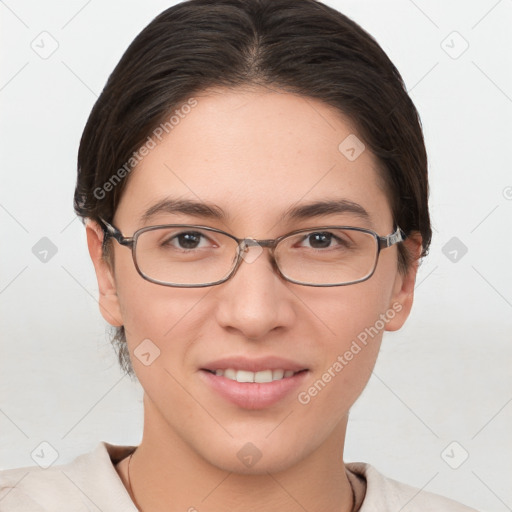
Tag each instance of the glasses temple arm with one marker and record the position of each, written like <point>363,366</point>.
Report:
<point>387,241</point>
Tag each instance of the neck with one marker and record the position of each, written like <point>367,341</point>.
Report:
<point>165,470</point>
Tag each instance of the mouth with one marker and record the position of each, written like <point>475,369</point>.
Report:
<point>259,377</point>
<point>253,383</point>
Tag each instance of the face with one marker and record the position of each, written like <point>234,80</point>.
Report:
<point>254,155</point>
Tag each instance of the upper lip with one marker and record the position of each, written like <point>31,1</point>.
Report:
<point>253,364</point>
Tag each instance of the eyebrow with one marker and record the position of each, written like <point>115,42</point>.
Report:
<point>185,206</point>
<point>328,207</point>
<point>299,212</point>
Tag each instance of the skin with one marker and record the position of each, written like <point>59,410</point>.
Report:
<point>254,153</point>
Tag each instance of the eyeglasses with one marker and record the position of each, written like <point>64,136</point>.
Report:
<point>192,256</point>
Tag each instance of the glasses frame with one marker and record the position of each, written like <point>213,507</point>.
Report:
<point>382,242</point>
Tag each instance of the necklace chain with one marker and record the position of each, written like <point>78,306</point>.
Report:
<point>140,510</point>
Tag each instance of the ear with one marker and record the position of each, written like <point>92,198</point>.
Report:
<point>108,301</point>
<point>403,290</point>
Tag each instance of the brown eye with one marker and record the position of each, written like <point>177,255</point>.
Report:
<point>323,240</point>
<point>320,240</point>
<point>188,240</point>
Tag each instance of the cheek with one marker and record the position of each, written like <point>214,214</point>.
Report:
<point>345,313</point>
<point>353,319</point>
<point>163,325</point>
<point>154,312</point>
<point>163,315</point>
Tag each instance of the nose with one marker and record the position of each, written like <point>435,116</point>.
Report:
<point>256,300</point>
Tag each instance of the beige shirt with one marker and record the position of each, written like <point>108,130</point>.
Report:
<point>91,483</point>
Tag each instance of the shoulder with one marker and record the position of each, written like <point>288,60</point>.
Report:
<point>385,494</point>
<point>89,482</point>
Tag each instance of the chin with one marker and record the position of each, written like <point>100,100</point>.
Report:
<point>255,458</point>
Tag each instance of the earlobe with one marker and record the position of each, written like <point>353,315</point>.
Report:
<point>108,299</point>
<point>403,292</point>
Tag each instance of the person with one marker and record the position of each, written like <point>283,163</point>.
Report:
<point>253,179</point>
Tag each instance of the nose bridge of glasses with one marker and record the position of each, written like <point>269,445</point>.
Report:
<point>253,242</point>
<point>257,249</point>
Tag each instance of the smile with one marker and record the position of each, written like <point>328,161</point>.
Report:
<point>258,377</point>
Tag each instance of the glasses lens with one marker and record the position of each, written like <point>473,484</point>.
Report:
<point>188,255</point>
<point>330,256</point>
<point>185,255</point>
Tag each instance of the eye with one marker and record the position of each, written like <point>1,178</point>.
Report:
<point>187,240</point>
<point>323,240</point>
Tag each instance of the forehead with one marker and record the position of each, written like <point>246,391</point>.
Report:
<point>257,153</point>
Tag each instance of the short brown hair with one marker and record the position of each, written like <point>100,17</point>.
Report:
<point>298,46</point>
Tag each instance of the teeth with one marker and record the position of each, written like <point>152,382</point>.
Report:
<point>277,374</point>
<point>229,373</point>
<point>263,376</point>
<point>259,377</point>
<point>244,376</point>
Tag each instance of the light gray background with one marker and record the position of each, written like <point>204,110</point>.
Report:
<point>444,377</point>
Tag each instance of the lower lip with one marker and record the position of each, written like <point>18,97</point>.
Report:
<point>252,395</point>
